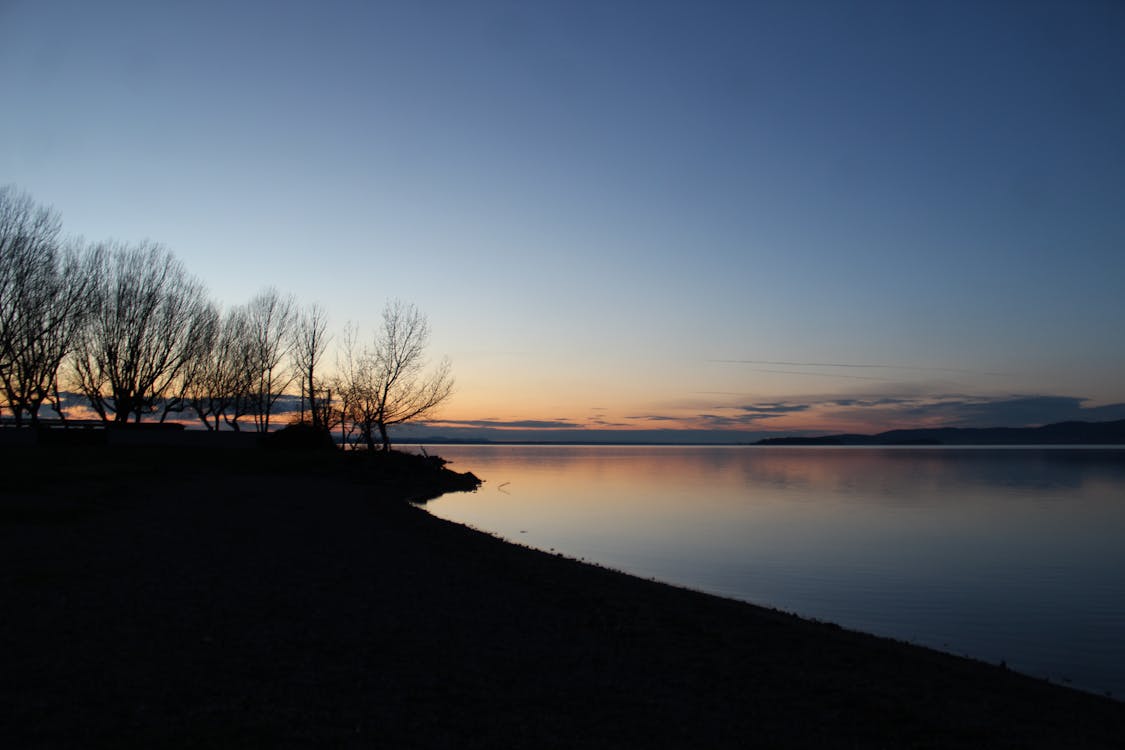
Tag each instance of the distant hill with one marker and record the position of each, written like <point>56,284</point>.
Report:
<point>1061,433</point>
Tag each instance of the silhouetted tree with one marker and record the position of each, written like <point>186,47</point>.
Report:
<point>387,384</point>
<point>206,327</point>
<point>43,302</point>
<point>356,390</point>
<point>310,339</point>
<point>141,333</point>
<point>221,388</point>
<point>241,378</point>
<point>196,380</point>
<point>269,320</point>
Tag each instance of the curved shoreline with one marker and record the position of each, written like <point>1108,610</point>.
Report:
<point>781,610</point>
<point>285,605</point>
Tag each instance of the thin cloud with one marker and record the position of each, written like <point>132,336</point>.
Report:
<point>810,374</point>
<point>773,409</point>
<point>745,416</point>
<point>855,365</point>
<point>735,420</point>
<point>1020,411</point>
<point>553,424</point>
<point>599,422</point>
<point>959,410</point>
<point>867,402</point>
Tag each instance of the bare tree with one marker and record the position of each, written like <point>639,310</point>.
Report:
<point>42,302</point>
<point>310,339</point>
<point>221,388</point>
<point>194,382</point>
<point>388,383</point>
<point>206,327</point>
<point>25,229</point>
<point>56,314</point>
<point>270,318</point>
<point>141,331</point>
<point>356,391</point>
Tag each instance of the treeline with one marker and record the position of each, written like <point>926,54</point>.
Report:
<point>130,331</point>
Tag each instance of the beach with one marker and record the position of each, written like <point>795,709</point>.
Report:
<point>192,598</point>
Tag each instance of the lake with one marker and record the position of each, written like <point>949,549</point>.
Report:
<point>1006,555</point>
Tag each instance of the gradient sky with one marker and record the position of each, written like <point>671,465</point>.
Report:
<point>758,216</point>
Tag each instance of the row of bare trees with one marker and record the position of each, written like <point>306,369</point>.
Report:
<point>135,335</point>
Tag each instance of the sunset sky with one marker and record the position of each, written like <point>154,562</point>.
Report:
<point>699,215</point>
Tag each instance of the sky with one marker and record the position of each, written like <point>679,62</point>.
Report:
<point>726,216</point>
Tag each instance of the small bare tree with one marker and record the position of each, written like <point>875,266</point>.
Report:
<point>141,332</point>
<point>206,327</point>
<point>222,387</point>
<point>310,339</point>
<point>356,391</point>
<point>270,318</point>
<point>388,383</point>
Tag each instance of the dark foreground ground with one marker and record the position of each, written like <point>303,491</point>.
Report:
<point>185,599</point>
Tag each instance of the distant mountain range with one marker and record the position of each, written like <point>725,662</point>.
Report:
<point>1061,433</point>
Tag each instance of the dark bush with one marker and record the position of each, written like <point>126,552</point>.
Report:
<point>299,437</point>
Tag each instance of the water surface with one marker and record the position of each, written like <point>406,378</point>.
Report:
<point>1006,555</point>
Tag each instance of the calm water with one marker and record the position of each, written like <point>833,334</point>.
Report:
<point>1001,554</point>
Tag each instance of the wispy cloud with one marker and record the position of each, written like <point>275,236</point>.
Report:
<point>745,414</point>
<point>884,401</point>
<point>875,412</point>
<point>605,423</point>
<point>811,374</point>
<point>853,365</point>
<point>540,424</point>
<point>960,410</point>
<point>1017,411</point>
<point>769,410</point>
<point>732,420</point>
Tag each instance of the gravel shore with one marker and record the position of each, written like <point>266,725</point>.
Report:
<point>177,599</point>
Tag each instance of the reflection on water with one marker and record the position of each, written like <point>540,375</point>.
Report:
<point>1014,555</point>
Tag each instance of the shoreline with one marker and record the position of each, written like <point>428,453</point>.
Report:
<point>1066,685</point>
<point>231,604</point>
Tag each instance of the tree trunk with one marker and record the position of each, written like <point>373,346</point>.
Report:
<point>312,400</point>
<point>58,407</point>
<point>124,409</point>
<point>33,410</point>
<point>369,438</point>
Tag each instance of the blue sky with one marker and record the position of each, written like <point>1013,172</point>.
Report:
<point>624,214</point>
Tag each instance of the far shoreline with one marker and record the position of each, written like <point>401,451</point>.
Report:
<point>1076,434</point>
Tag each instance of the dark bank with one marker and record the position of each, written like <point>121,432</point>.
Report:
<point>203,596</point>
